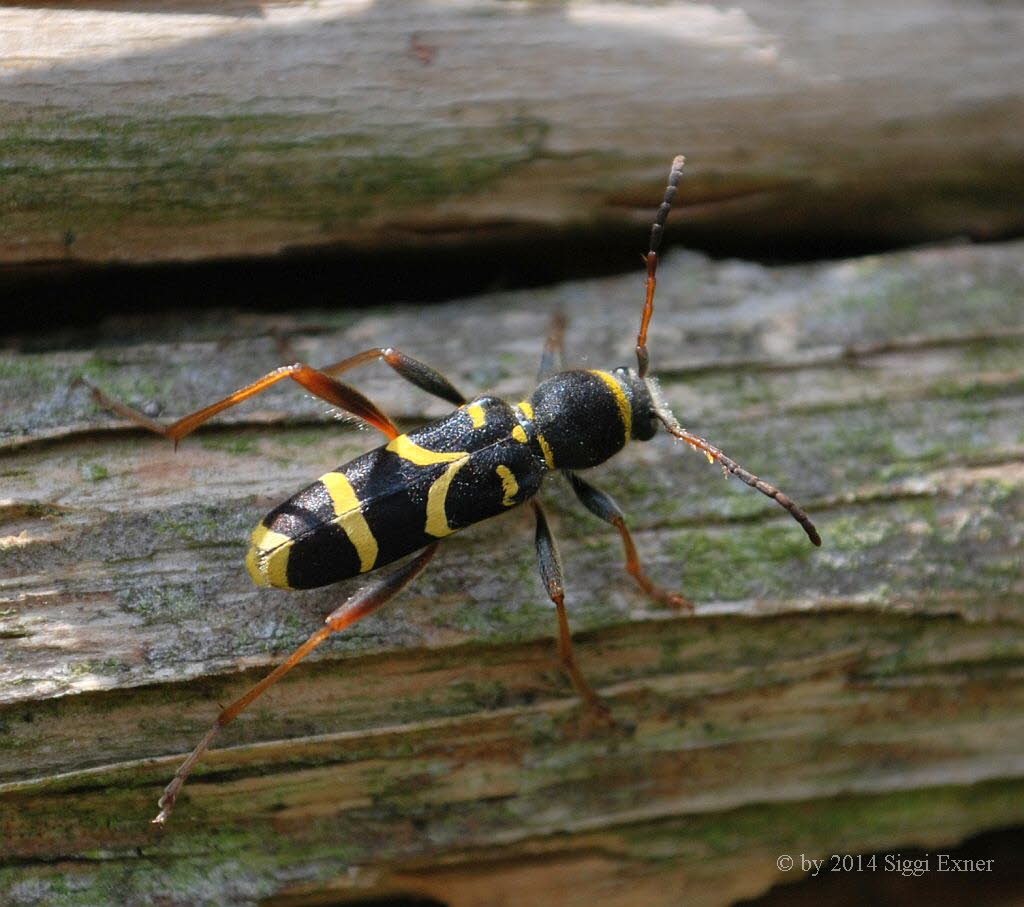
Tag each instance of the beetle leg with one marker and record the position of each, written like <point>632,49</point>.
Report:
<point>412,370</point>
<point>315,381</point>
<point>551,574</point>
<point>553,358</point>
<point>364,602</point>
<point>602,505</point>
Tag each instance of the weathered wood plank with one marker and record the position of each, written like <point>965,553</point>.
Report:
<point>189,130</point>
<point>861,696</point>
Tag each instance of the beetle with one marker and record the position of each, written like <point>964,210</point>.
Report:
<point>395,503</point>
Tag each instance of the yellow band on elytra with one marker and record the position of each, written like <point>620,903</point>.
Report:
<point>267,560</point>
<point>509,485</point>
<point>348,511</point>
<point>437,517</point>
<point>411,451</point>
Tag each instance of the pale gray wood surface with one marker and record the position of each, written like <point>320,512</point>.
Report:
<point>185,129</point>
<point>865,695</point>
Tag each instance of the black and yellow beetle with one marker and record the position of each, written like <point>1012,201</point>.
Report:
<point>481,460</point>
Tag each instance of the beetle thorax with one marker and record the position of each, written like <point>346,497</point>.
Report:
<point>584,417</point>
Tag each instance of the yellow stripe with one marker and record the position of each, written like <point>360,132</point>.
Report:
<point>509,485</point>
<point>625,410</point>
<point>526,411</point>
<point>437,519</point>
<point>411,451</point>
<point>350,518</point>
<point>477,414</point>
<point>267,560</point>
<point>545,449</point>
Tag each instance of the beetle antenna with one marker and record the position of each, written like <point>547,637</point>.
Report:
<point>642,359</point>
<point>715,455</point>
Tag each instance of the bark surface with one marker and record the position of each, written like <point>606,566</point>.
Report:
<point>866,695</point>
<point>191,129</point>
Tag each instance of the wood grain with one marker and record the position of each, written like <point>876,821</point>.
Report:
<point>188,130</point>
<point>862,696</point>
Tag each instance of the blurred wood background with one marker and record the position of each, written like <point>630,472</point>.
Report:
<point>196,128</point>
<point>863,696</point>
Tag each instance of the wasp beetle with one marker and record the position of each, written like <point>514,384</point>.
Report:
<point>484,458</point>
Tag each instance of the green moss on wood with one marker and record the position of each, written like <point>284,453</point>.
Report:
<point>889,657</point>
<point>203,170</point>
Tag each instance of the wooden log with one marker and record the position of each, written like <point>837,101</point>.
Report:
<point>861,696</point>
<point>192,130</point>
